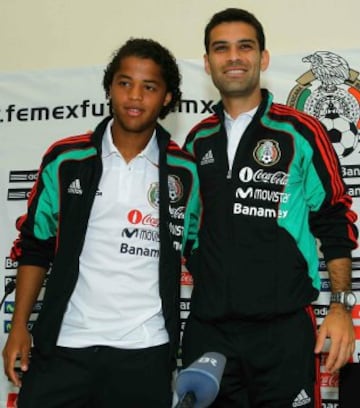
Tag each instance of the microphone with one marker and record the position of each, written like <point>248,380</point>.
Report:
<point>198,385</point>
<point>9,288</point>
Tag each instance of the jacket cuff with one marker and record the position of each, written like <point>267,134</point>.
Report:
<point>336,253</point>
<point>34,261</point>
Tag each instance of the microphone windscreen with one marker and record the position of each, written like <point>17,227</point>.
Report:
<point>202,378</point>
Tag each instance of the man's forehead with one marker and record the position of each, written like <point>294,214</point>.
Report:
<point>232,30</point>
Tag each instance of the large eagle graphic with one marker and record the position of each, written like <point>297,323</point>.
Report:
<point>329,68</point>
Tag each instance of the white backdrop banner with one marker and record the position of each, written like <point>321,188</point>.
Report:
<point>39,107</point>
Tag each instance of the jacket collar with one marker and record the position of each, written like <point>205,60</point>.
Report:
<point>162,135</point>
<point>264,106</point>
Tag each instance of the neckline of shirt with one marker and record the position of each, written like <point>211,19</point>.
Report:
<point>151,151</point>
<point>249,114</point>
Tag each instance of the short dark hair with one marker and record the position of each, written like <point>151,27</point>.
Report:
<point>231,15</point>
<point>148,49</point>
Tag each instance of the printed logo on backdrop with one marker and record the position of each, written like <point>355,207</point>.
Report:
<point>330,91</point>
<point>85,108</point>
<point>21,176</point>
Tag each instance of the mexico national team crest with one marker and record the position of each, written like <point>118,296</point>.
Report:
<point>175,188</point>
<point>154,195</point>
<point>330,91</point>
<point>175,191</point>
<point>267,152</point>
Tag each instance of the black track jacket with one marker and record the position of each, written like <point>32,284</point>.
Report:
<point>53,230</point>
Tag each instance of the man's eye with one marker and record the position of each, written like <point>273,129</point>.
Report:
<point>220,48</point>
<point>246,46</point>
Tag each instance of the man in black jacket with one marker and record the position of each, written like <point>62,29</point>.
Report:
<point>270,184</point>
<point>111,214</point>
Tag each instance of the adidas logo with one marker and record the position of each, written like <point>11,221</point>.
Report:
<point>208,158</point>
<point>301,400</point>
<point>74,187</point>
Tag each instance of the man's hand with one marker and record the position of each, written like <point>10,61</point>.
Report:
<point>337,326</point>
<point>29,281</point>
<point>17,346</point>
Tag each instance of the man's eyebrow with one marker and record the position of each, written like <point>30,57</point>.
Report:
<point>120,75</point>
<point>241,41</point>
<point>152,81</point>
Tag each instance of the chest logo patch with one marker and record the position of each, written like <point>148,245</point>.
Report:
<point>267,152</point>
<point>175,188</point>
<point>153,195</point>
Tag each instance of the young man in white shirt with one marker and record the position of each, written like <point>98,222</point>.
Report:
<point>111,213</point>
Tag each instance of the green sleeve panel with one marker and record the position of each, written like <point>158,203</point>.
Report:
<point>47,210</point>
<point>189,145</point>
<point>192,211</point>
<point>305,193</point>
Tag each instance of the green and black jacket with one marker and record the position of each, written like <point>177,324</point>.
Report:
<point>53,230</point>
<point>257,255</point>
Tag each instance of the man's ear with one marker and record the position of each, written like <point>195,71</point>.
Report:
<point>206,64</point>
<point>168,98</point>
<point>265,60</point>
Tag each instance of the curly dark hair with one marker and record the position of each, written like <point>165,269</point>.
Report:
<point>231,15</point>
<point>148,49</point>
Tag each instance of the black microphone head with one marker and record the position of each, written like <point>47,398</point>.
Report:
<point>10,287</point>
<point>202,378</point>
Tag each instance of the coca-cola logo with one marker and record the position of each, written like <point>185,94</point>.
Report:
<point>247,174</point>
<point>329,380</point>
<point>136,217</point>
<point>177,213</point>
<point>186,278</point>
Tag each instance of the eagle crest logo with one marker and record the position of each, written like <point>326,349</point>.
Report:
<point>330,91</point>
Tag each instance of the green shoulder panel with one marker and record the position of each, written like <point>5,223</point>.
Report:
<point>47,210</point>
<point>305,192</point>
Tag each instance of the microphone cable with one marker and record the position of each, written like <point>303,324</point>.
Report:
<point>9,288</point>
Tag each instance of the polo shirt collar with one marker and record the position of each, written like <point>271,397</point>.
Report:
<point>250,114</point>
<point>151,151</point>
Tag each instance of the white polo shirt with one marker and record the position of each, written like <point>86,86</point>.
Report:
<point>116,300</point>
<point>235,128</point>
